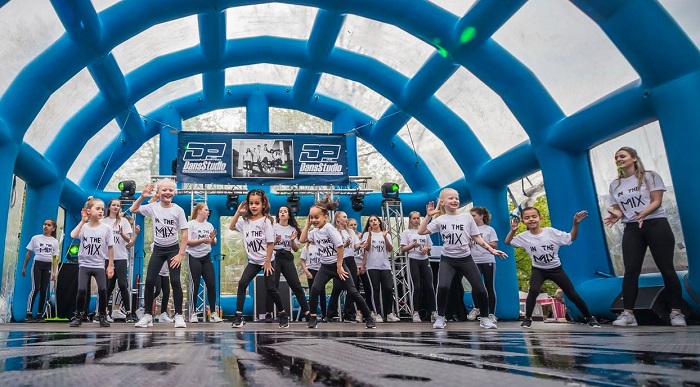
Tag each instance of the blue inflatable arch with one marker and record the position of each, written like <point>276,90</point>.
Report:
<point>666,61</point>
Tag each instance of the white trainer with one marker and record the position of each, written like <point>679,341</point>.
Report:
<point>118,315</point>
<point>486,323</point>
<point>677,319</point>
<point>214,317</point>
<point>180,321</point>
<point>164,318</point>
<point>473,314</point>
<point>625,319</point>
<point>493,317</point>
<point>377,318</point>
<point>358,316</point>
<point>440,323</point>
<point>145,321</point>
<point>416,317</point>
<point>392,317</point>
<point>193,318</point>
<point>433,316</point>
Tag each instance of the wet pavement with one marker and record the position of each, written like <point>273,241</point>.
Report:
<point>346,354</point>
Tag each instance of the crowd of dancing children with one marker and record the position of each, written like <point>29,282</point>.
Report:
<point>333,249</point>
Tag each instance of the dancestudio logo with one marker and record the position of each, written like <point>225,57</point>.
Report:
<point>320,159</point>
<point>203,157</point>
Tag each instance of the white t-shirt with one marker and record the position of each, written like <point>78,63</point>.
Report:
<point>411,235</point>
<point>377,255</point>
<point>198,230</point>
<point>456,231</point>
<point>543,248</point>
<point>350,249</point>
<point>93,245</point>
<point>360,252</point>
<point>120,251</point>
<point>256,235</point>
<point>285,233</point>
<point>43,247</point>
<point>310,255</point>
<point>327,240</point>
<point>166,222</point>
<point>479,254</point>
<point>630,200</point>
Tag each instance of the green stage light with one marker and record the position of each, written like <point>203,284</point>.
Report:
<point>467,35</point>
<point>390,190</point>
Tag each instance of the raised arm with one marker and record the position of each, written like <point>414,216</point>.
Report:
<point>144,194</point>
<point>513,228</point>
<point>578,217</point>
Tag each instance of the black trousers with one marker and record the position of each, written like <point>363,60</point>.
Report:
<point>656,234</point>
<point>159,256</point>
<point>325,274</point>
<point>422,280</point>
<point>41,275</point>
<point>202,267</point>
<point>163,283</point>
<point>382,285</point>
<point>284,265</point>
<point>464,266</point>
<point>249,273</point>
<point>119,278</point>
<point>488,271</point>
<point>321,296</point>
<point>559,277</point>
<point>349,308</point>
<point>84,274</point>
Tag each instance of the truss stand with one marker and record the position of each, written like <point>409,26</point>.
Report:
<point>392,216</point>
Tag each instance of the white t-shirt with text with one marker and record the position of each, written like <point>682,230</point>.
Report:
<point>377,253</point>
<point>94,242</point>
<point>167,221</point>
<point>310,255</point>
<point>543,248</point>
<point>199,230</point>
<point>410,236</point>
<point>256,235</point>
<point>285,233</point>
<point>327,240</point>
<point>479,254</point>
<point>631,200</point>
<point>120,251</point>
<point>456,231</point>
<point>43,247</point>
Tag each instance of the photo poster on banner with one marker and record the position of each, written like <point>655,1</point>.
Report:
<point>237,158</point>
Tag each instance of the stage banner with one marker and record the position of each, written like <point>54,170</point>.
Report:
<point>262,158</point>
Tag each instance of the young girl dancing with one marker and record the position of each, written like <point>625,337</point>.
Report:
<point>202,237</point>
<point>45,249</point>
<point>121,231</point>
<point>311,264</point>
<point>340,222</point>
<point>378,244</point>
<point>542,245</point>
<point>330,251</point>
<point>362,278</point>
<point>168,219</point>
<point>417,247</point>
<point>456,229</point>
<point>484,261</point>
<point>96,243</point>
<point>252,219</point>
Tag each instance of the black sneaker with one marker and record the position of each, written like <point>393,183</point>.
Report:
<point>30,319</point>
<point>103,321</point>
<point>131,317</point>
<point>593,322</point>
<point>527,323</point>
<point>77,320</point>
<point>284,320</point>
<point>40,320</point>
<point>238,321</point>
<point>307,317</point>
<point>325,319</point>
<point>313,321</point>
<point>268,317</point>
<point>369,323</point>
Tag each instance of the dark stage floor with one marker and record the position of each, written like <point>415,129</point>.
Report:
<point>347,354</point>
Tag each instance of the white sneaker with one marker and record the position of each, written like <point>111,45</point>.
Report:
<point>358,316</point>
<point>109,319</point>
<point>486,323</point>
<point>392,317</point>
<point>473,314</point>
<point>677,319</point>
<point>164,318</point>
<point>493,317</point>
<point>416,317</point>
<point>180,321</point>
<point>193,318</point>
<point>377,318</point>
<point>214,317</point>
<point>440,322</point>
<point>117,315</point>
<point>145,321</point>
<point>625,319</point>
<point>433,316</point>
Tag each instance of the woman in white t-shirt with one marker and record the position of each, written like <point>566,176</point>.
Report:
<point>45,250</point>
<point>636,197</point>
<point>417,247</point>
<point>201,238</point>
<point>340,222</point>
<point>484,261</point>
<point>378,244</point>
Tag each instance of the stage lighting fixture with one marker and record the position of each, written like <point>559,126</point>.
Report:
<point>357,201</point>
<point>293,203</point>
<point>72,253</point>
<point>232,202</point>
<point>127,188</point>
<point>390,191</point>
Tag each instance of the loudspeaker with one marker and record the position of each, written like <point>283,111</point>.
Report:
<point>66,290</point>
<point>259,308</point>
<point>652,306</point>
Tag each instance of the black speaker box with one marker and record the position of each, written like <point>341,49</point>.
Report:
<point>261,294</point>
<point>652,306</point>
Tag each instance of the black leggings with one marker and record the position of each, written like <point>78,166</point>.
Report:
<point>164,284</point>
<point>322,295</point>
<point>658,236</point>
<point>559,277</point>
<point>464,266</point>
<point>382,281</point>
<point>325,274</point>
<point>249,273</point>
<point>488,270</point>
<point>84,274</point>
<point>159,256</point>
<point>349,309</point>
<point>284,265</point>
<point>202,268</point>
<point>41,275</point>
<point>119,278</point>
<point>366,286</point>
<point>422,280</point>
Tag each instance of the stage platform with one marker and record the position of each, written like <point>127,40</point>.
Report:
<point>399,354</point>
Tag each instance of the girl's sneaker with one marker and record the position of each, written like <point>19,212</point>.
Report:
<point>677,319</point>
<point>440,323</point>
<point>215,318</point>
<point>238,321</point>
<point>145,321</point>
<point>527,323</point>
<point>473,314</point>
<point>416,317</point>
<point>625,319</point>
<point>180,321</point>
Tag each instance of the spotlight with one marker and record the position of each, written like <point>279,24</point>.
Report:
<point>357,201</point>
<point>293,203</point>
<point>390,191</point>
<point>127,188</point>
<point>72,253</point>
<point>232,202</point>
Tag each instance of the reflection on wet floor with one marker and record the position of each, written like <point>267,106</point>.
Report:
<point>605,357</point>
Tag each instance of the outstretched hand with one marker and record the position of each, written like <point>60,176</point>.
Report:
<point>579,216</point>
<point>611,219</point>
<point>430,209</point>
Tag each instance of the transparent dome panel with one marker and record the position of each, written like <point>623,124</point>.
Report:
<point>483,110</point>
<point>567,51</point>
<point>224,120</point>
<point>524,192</point>
<point>294,121</point>
<point>354,94</point>
<point>273,19</point>
<point>433,151</point>
<point>101,5</point>
<point>384,42</point>
<point>27,28</point>
<point>459,8</point>
<point>59,108</point>
<point>686,13</point>
<point>261,73</point>
<point>139,167</point>
<point>156,41</point>
<point>372,164</point>
<point>169,92</point>
<point>101,140</point>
